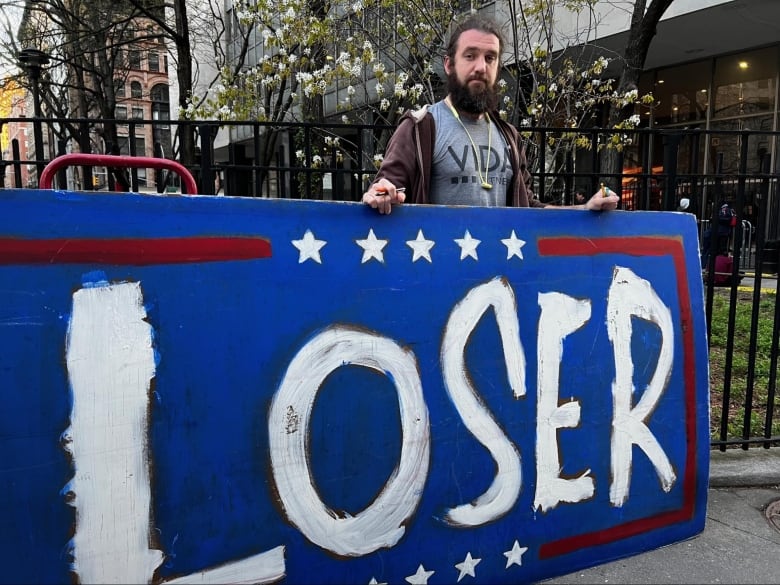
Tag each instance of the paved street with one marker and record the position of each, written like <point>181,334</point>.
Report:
<point>741,538</point>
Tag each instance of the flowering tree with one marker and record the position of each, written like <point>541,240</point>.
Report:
<point>369,60</point>
<point>366,60</point>
<point>644,21</point>
<point>567,83</point>
<point>372,57</point>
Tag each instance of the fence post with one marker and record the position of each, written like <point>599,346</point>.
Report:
<point>17,165</point>
<point>671,144</point>
<point>206,175</point>
<point>62,175</point>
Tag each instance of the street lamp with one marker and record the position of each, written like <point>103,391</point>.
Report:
<point>33,60</point>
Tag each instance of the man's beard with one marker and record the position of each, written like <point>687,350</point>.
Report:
<point>471,101</point>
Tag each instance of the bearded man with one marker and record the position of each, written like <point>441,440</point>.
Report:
<point>458,151</point>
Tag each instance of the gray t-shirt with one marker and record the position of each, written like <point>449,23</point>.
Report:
<point>455,177</point>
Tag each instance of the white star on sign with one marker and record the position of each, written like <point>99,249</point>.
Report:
<point>375,582</point>
<point>421,247</point>
<point>513,246</point>
<point>467,566</point>
<point>468,246</point>
<point>372,248</point>
<point>420,577</point>
<point>309,247</point>
<point>515,556</point>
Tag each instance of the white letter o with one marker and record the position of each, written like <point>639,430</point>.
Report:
<point>381,523</point>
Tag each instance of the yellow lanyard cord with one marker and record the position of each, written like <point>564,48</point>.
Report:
<point>485,184</point>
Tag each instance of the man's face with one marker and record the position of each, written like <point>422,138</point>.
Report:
<point>472,74</point>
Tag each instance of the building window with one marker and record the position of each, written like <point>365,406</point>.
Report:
<point>119,88</point>
<point>160,114</point>
<point>160,103</point>
<point>134,59</point>
<point>128,34</point>
<point>140,146</point>
<point>744,84</point>
<point>153,58</point>
<point>681,94</point>
<point>121,112</point>
<point>138,114</point>
<point>136,90</point>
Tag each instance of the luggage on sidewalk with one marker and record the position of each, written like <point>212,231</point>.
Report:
<point>723,268</point>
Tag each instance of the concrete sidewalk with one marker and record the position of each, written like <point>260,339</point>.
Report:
<point>739,544</point>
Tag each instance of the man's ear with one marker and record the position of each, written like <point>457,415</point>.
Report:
<point>447,64</point>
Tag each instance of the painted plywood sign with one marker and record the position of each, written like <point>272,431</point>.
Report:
<point>217,390</point>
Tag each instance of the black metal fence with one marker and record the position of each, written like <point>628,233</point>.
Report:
<point>657,170</point>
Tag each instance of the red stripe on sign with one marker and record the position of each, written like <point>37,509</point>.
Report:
<point>132,251</point>
<point>641,246</point>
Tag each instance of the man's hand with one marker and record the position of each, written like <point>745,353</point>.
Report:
<point>382,195</point>
<point>602,200</point>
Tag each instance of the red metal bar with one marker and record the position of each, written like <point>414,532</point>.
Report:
<point>111,160</point>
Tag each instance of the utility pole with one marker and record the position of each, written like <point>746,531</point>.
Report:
<point>33,61</point>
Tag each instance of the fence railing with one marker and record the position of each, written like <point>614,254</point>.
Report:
<point>656,168</point>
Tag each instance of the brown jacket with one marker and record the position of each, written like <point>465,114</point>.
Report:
<point>407,160</point>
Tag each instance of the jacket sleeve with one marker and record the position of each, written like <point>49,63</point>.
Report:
<point>399,165</point>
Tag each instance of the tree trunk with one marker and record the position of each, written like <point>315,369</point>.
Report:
<point>640,35</point>
<point>184,74</point>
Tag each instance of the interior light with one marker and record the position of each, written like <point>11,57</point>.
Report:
<point>660,81</point>
<point>744,65</point>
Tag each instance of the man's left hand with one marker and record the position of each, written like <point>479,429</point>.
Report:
<point>600,202</point>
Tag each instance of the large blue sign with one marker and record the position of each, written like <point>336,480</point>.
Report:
<point>216,390</point>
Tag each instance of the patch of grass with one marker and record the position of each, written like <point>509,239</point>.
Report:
<point>741,339</point>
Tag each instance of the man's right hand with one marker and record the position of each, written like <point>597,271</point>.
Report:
<point>382,195</point>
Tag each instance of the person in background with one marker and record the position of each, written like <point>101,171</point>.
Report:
<point>579,197</point>
<point>727,219</point>
<point>458,151</point>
